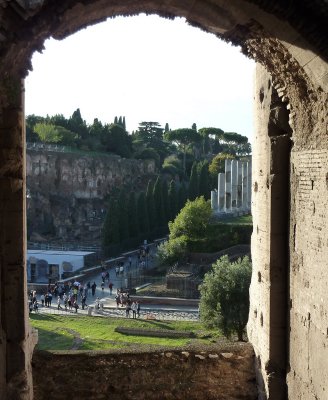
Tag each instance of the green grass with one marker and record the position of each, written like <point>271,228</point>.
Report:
<point>242,220</point>
<point>58,332</point>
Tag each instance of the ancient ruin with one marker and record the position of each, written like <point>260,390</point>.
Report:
<point>234,194</point>
<point>288,314</point>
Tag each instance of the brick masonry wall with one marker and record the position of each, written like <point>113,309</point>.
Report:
<point>308,376</point>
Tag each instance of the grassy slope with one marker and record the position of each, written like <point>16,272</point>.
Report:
<point>62,332</point>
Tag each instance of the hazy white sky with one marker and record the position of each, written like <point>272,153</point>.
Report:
<point>145,68</point>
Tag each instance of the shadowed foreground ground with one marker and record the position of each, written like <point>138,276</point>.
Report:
<point>209,372</point>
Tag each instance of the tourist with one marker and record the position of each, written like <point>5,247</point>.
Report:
<point>49,299</point>
<point>138,309</point>
<point>93,288</point>
<point>127,309</point>
<point>42,299</point>
<point>75,305</point>
<point>59,307</point>
<point>134,310</point>
<point>102,287</point>
<point>97,303</point>
<point>65,299</point>
<point>110,286</point>
<point>84,299</point>
<point>117,270</point>
<point>122,269</point>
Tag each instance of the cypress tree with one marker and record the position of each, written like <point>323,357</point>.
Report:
<point>193,190</point>
<point>120,121</point>
<point>123,216</point>
<point>167,128</point>
<point>124,125</point>
<point>182,198</point>
<point>115,120</point>
<point>204,179</point>
<point>111,234</point>
<point>173,200</point>
<point>158,200</point>
<point>151,206</point>
<point>133,216</point>
<point>165,202</point>
<point>143,215</point>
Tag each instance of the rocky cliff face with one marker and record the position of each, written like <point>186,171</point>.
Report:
<point>66,192</point>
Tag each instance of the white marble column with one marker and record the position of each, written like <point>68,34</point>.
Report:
<point>221,191</point>
<point>234,182</point>
<point>227,200</point>
<point>239,184</point>
<point>244,186</point>
<point>249,186</point>
<point>214,200</point>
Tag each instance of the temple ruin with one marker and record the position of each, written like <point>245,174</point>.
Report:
<point>234,193</point>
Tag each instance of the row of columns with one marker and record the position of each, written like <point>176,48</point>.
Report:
<point>234,188</point>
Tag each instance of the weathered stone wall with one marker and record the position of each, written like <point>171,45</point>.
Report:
<point>175,375</point>
<point>308,304</point>
<point>288,316</point>
<point>268,315</point>
<point>67,191</point>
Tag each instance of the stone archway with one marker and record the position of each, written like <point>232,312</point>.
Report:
<point>289,40</point>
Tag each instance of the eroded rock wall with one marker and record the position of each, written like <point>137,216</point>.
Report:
<point>67,192</point>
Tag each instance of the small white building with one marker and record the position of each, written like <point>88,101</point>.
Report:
<point>48,266</point>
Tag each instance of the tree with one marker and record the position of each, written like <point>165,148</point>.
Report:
<point>111,233</point>
<point>151,206</point>
<point>193,220</point>
<point>165,202</point>
<point>183,137</point>
<point>193,189</point>
<point>191,223</point>
<point>78,125</point>
<point>217,165</point>
<point>173,166</point>
<point>172,251</point>
<point>207,134</point>
<point>173,201</point>
<point>204,180</point>
<point>47,133</point>
<point>182,196</point>
<point>143,215</point>
<point>167,128</point>
<point>148,154</point>
<point>150,135</point>
<point>158,201</point>
<point>123,216</point>
<point>224,298</point>
<point>133,216</point>
<point>117,140</point>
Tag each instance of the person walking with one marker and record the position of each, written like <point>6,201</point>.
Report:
<point>127,309</point>
<point>59,307</point>
<point>110,286</point>
<point>84,299</point>
<point>134,310</point>
<point>93,289</point>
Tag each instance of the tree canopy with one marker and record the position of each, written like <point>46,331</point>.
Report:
<point>224,301</point>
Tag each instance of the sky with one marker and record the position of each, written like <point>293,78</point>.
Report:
<point>145,68</point>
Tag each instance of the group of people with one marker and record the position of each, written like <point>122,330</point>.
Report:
<point>134,307</point>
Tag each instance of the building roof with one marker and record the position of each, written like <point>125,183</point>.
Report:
<point>59,253</point>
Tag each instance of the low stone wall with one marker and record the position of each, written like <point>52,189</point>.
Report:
<point>170,301</point>
<point>226,374</point>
